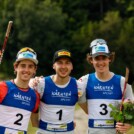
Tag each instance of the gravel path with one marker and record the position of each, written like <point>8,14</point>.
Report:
<point>81,120</point>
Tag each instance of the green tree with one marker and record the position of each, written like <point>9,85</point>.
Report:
<point>37,24</point>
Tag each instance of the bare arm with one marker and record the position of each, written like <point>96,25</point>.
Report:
<point>34,119</point>
<point>84,107</point>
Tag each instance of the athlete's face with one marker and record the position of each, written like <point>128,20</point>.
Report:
<point>101,63</point>
<point>25,70</point>
<point>63,67</point>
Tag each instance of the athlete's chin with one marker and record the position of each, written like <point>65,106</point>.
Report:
<point>101,70</point>
<point>26,78</point>
<point>63,75</point>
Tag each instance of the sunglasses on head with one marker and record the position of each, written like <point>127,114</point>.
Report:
<point>99,42</point>
<point>27,49</point>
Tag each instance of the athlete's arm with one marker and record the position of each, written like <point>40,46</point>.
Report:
<point>129,92</point>
<point>82,100</point>
<point>84,107</point>
<point>81,88</point>
<point>35,119</point>
<point>3,91</point>
<point>37,103</point>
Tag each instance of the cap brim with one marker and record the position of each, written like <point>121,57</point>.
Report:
<point>20,59</point>
<point>98,54</point>
<point>63,57</point>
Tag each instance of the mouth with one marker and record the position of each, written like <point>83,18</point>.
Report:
<point>26,75</point>
<point>101,67</point>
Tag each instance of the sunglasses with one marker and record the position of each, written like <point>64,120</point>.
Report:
<point>27,49</point>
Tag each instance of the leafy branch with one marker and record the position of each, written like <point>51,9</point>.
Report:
<point>124,116</point>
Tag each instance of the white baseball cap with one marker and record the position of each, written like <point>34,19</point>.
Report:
<point>27,53</point>
<point>98,42</point>
<point>99,47</point>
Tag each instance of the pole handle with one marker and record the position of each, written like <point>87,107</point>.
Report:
<point>10,23</point>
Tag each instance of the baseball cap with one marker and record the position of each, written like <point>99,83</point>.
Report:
<point>99,47</point>
<point>98,42</point>
<point>28,54</point>
<point>63,53</point>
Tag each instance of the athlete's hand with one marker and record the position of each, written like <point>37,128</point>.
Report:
<point>127,101</point>
<point>123,127</point>
<point>34,82</point>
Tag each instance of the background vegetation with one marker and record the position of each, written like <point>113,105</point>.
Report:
<point>49,25</point>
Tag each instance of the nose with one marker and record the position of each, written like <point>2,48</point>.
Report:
<point>27,68</point>
<point>63,65</point>
<point>100,60</point>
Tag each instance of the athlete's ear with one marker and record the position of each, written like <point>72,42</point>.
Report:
<point>53,66</point>
<point>91,60</point>
<point>72,67</point>
<point>110,60</point>
<point>15,65</point>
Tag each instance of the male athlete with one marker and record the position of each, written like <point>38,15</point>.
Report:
<point>17,99</point>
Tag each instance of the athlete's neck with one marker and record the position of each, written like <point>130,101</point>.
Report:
<point>60,80</point>
<point>104,76</point>
<point>21,84</point>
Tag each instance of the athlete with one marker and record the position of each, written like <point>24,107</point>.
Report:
<point>102,88</point>
<point>17,99</point>
<point>59,93</point>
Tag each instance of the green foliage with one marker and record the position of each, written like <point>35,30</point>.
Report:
<point>37,24</point>
<point>126,115</point>
<point>49,25</point>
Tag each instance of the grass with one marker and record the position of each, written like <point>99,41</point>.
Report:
<point>131,131</point>
<point>31,130</point>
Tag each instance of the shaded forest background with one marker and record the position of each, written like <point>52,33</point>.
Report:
<point>50,25</point>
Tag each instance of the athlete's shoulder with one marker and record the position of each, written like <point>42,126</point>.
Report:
<point>3,90</point>
<point>117,75</point>
<point>81,86</point>
<point>3,85</point>
<point>37,102</point>
<point>84,78</point>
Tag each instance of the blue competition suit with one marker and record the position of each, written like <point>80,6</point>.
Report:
<point>99,95</point>
<point>57,106</point>
<point>16,109</point>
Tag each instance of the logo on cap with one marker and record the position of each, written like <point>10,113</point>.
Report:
<point>100,49</point>
<point>27,53</point>
<point>64,53</point>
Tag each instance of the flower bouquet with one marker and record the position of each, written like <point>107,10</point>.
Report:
<point>124,112</point>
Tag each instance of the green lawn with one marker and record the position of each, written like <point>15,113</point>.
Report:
<point>131,131</point>
<point>31,130</point>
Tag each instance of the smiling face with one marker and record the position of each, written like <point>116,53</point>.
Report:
<point>63,67</point>
<point>25,70</point>
<point>101,63</point>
